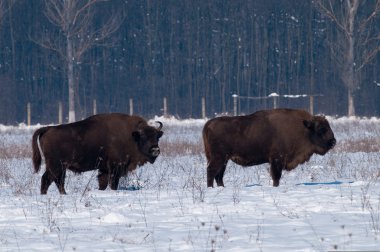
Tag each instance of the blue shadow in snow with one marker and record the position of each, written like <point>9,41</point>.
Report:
<point>130,188</point>
<point>251,185</point>
<point>325,183</point>
<point>312,183</point>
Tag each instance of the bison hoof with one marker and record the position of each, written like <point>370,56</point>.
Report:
<point>276,183</point>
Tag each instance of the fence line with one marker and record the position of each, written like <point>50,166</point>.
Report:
<point>275,97</point>
<point>165,109</point>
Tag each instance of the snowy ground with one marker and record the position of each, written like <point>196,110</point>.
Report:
<point>174,211</point>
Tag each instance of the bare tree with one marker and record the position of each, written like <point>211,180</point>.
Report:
<point>77,34</point>
<point>2,10</point>
<point>356,44</point>
<point>5,6</point>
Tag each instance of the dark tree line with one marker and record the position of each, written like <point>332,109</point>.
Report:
<point>186,50</point>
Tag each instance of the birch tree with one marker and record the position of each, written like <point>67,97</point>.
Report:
<point>356,44</point>
<point>77,34</point>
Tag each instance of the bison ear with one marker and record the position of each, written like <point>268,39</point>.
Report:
<point>309,124</point>
<point>136,135</point>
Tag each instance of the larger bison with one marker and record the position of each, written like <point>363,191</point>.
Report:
<point>283,138</point>
<point>112,143</point>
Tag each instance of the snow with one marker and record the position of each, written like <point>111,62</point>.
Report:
<point>331,203</point>
<point>273,95</point>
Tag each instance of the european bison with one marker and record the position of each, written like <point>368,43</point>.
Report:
<point>283,138</point>
<point>112,143</point>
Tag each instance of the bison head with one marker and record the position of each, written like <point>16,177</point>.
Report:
<point>320,134</point>
<point>147,138</point>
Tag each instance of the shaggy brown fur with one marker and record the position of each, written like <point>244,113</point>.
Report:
<point>283,138</point>
<point>112,143</point>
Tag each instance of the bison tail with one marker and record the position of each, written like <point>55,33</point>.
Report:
<point>38,156</point>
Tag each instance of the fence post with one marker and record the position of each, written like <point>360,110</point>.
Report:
<point>94,108</point>
<point>311,104</point>
<point>235,96</point>
<point>29,112</point>
<point>203,108</point>
<point>130,106</point>
<point>165,107</point>
<point>275,97</point>
<point>60,113</point>
<point>275,102</point>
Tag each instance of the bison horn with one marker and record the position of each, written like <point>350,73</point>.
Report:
<point>159,127</point>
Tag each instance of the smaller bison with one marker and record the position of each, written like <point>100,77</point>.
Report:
<point>284,138</point>
<point>114,144</point>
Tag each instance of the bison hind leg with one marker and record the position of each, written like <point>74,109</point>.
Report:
<point>55,172</point>
<point>59,181</point>
<point>215,170</point>
<point>46,181</point>
<point>219,176</point>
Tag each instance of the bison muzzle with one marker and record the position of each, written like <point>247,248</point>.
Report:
<point>284,138</point>
<point>114,144</point>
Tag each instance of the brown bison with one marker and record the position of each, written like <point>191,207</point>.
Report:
<point>283,138</point>
<point>112,143</point>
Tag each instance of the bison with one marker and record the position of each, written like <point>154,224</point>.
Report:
<point>112,143</point>
<point>284,138</point>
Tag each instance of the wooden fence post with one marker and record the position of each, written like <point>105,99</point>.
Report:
<point>275,102</point>
<point>130,106</point>
<point>203,108</point>
<point>235,96</point>
<point>94,107</point>
<point>165,107</point>
<point>60,113</point>
<point>29,112</point>
<point>311,104</point>
<point>275,97</point>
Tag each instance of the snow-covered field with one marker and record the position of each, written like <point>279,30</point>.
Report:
<point>331,203</point>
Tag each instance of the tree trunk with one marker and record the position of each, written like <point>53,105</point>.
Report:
<point>350,62</point>
<point>70,79</point>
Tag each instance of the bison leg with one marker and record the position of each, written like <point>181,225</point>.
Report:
<point>59,180</point>
<point>46,181</point>
<point>276,171</point>
<point>115,176</point>
<point>219,176</point>
<point>103,180</point>
<point>215,170</point>
<point>115,181</point>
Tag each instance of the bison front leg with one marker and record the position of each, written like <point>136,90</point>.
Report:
<point>115,181</point>
<point>276,171</point>
<point>102,180</point>
<point>115,175</point>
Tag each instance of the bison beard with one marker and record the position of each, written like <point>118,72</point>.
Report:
<point>115,144</point>
<point>284,138</point>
